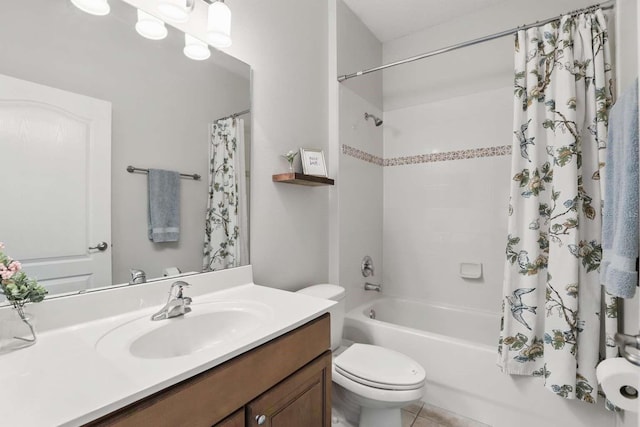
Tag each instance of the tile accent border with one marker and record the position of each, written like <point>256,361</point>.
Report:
<point>362,155</point>
<point>501,150</point>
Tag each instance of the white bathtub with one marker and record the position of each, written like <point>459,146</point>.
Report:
<point>458,350</point>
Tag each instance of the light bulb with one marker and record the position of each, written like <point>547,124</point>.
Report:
<point>94,7</point>
<point>219,25</point>
<point>175,10</point>
<point>195,49</point>
<point>150,27</point>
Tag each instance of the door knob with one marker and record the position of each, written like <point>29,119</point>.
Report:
<point>102,246</point>
<point>260,419</point>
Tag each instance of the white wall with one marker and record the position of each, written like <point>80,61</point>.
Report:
<point>358,49</point>
<point>286,44</point>
<point>473,69</point>
<point>361,207</point>
<point>360,183</point>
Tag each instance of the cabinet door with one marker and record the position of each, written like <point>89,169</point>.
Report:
<point>303,399</point>
<point>234,420</point>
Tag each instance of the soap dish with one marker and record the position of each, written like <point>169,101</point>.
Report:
<point>471,270</point>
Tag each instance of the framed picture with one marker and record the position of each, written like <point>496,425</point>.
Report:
<point>313,162</point>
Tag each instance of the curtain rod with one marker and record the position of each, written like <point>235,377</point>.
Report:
<point>474,41</point>
<point>234,115</point>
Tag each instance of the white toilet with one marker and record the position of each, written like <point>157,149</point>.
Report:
<point>379,380</point>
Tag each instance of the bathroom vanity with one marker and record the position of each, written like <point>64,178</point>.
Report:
<point>285,382</point>
<point>244,355</point>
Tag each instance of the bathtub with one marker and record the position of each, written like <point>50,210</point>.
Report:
<point>458,349</point>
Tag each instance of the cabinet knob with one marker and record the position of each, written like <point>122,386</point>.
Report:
<point>260,419</point>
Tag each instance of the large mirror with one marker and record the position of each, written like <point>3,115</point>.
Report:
<point>82,98</point>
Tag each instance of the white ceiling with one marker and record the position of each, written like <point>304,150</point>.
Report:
<point>391,19</point>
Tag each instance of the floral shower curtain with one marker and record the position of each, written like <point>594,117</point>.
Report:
<point>226,227</point>
<point>552,299</point>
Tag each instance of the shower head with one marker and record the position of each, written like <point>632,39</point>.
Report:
<point>376,120</point>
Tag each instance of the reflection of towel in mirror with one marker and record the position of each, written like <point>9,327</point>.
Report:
<point>620,211</point>
<point>164,205</point>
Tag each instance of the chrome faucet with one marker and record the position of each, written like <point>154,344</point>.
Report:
<point>177,305</point>
<point>371,287</point>
<point>137,277</point>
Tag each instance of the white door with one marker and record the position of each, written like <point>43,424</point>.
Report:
<point>55,170</point>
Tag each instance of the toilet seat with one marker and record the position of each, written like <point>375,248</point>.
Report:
<point>379,367</point>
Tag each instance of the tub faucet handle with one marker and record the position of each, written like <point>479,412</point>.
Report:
<point>367,266</point>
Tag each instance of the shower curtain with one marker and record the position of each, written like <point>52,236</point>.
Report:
<point>551,324</point>
<point>226,226</point>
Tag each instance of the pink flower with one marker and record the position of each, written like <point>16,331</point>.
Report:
<point>15,266</point>
<point>1,245</point>
<point>6,274</point>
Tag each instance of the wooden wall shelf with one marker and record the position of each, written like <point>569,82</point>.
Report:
<point>301,179</point>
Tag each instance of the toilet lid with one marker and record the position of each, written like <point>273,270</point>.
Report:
<point>379,367</point>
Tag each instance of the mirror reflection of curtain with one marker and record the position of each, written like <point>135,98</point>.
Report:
<point>226,226</point>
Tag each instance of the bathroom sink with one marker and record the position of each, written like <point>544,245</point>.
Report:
<point>208,325</point>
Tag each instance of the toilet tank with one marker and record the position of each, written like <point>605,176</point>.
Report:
<point>333,293</point>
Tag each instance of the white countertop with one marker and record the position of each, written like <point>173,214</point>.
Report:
<point>64,380</point>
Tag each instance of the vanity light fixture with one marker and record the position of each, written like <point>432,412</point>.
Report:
<point>176,10</point>
<point>93,7</point>
<point>219,24</point>
<point>195,49</point>
<point>150,27</point>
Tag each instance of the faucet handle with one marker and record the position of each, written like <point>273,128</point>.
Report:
<point>137,276</point>
<point>366,266</point>
<point>180,285</point>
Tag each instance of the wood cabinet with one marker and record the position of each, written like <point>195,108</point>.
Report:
<point>287,381</point>
<point>297,401</point>
<point>234,420</point>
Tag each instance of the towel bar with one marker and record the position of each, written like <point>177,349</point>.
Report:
<point>132,169</point>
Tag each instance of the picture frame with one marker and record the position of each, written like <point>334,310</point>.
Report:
<point>313,162</point>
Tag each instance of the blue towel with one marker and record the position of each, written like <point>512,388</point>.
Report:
<point>620,211</point>
<point>164,205</point>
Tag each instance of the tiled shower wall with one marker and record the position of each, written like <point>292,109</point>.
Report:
<point>443,209</point>
<point>445,173</point>
<point>360,197</point>
<point>359,183</point>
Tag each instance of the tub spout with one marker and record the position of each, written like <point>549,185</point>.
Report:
<point>371,287</point>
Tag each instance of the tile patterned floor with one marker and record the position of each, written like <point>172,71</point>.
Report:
<point>424,415</point>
